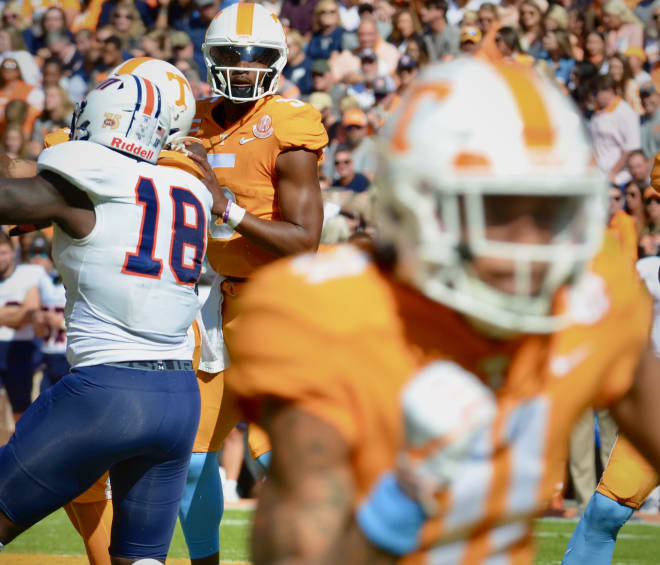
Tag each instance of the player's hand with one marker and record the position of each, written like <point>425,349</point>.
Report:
<point>446,411</point>
<point>209,179</point>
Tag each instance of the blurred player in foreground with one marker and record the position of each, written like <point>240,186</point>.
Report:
<point>263,152</point>
<point>628,478</point>
<point>128,237</point>
<point>420,402</point>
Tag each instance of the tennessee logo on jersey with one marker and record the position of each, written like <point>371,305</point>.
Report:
<point>243,158</point>
<point>304,307</point>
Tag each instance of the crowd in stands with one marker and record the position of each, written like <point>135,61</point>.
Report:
<point>353,60</point>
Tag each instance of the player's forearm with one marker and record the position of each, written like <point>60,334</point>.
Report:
<point>302,524</point>
<point>19,202</point>
<point>280,238</point>
<point>354,549</point>
<point>16,316</point>
<point>621,163</point>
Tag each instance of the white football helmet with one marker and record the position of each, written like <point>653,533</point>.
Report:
<point>126,113</point>
<point>247,33</point>
<point>173,85</point>
<point>452,153</point>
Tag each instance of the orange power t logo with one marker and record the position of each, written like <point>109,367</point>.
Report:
<point>182,89</point>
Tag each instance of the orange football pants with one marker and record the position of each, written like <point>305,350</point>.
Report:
<point>220,410</point>
<point>91,516</point>
<point>628,478</point>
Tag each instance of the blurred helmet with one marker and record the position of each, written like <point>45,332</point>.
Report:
<point>173,85</point>
<point>453,157</point>
<point>245,33</point>
<point>126,113</point>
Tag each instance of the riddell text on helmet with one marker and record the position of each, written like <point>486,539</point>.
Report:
<point>132,148</point>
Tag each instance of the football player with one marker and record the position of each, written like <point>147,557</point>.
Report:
<point>263,150</point>
<point>419,401</point>
<point>628,478</point>
<point>128,237</point>
<point>91,512</point>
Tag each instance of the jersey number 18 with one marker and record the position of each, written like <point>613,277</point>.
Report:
<point>188,239</point>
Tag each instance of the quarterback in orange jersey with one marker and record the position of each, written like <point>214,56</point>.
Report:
<point>419,402</point>
<point>263,150</point>
<point>628,478</point>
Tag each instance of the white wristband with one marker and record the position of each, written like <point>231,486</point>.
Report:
<point>234,215</point>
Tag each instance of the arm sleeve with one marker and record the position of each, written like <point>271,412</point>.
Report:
<point>631,324</point>
<point>300,127</point>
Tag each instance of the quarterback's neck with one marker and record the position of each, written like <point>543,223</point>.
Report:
<point>230,112</point>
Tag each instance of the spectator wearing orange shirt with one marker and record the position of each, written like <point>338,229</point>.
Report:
<point>12,86</point>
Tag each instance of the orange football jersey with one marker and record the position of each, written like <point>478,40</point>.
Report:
<point>623,227</point>
<point>340,338</point>
<point>243,158</point>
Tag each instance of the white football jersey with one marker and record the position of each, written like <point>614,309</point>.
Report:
<point>131,282</point>
<point>12,291</point>
<point>53,298</point>
<point>649,270</point>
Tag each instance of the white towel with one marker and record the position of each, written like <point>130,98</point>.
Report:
<point>215,357</point>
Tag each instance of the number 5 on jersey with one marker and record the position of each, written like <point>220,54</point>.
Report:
<point>188,240</point>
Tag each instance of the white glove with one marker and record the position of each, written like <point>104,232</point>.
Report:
<point>446,410</point>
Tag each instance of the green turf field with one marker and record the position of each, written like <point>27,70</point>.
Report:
<point>639,544</point>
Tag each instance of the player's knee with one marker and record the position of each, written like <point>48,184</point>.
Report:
<point>606,515</point>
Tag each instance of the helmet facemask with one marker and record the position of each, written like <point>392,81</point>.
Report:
<point>441,233</point>
<point>224,60</point>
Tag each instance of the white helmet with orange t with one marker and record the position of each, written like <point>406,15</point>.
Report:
<point>455,162</point>
<point>127,113</point>
<point>239,35</point>
<point>174,86</point>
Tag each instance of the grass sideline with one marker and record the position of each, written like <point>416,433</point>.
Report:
<point>54,542</point>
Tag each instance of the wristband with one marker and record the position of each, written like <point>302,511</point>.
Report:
<point>225,215</point>
<point>233,215</point>
<point>390,519</point>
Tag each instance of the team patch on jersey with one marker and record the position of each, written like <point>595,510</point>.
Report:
<point>264,127</point>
